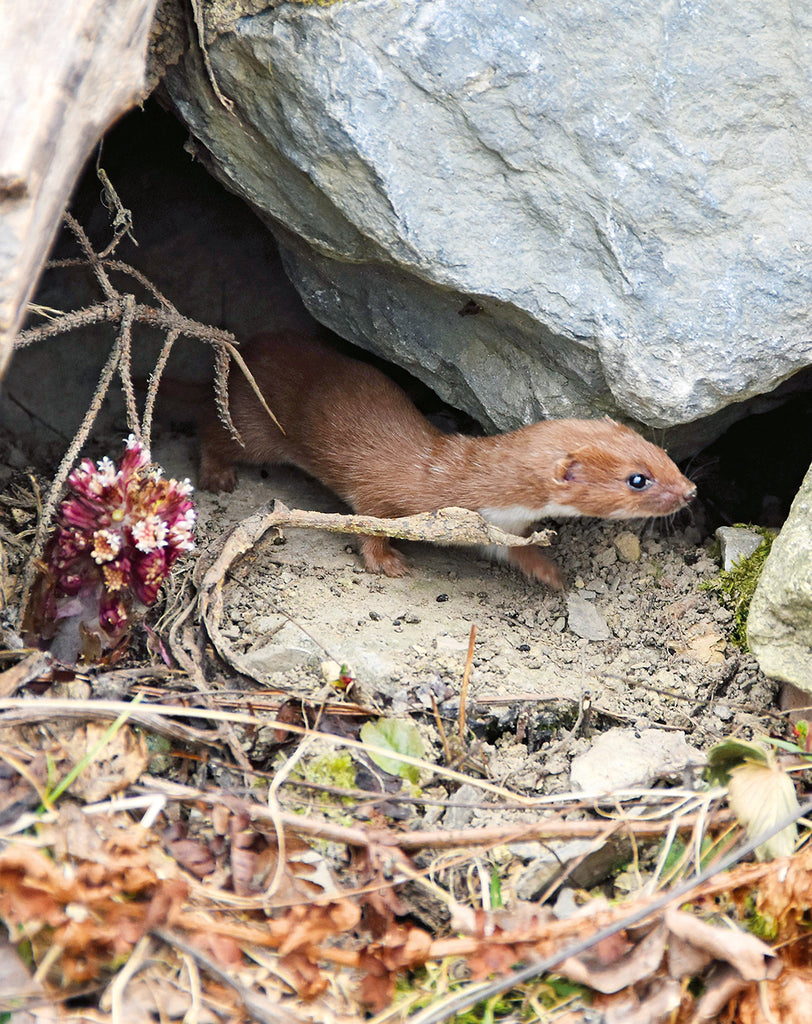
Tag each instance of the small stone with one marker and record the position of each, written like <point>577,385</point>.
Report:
<point>266,624</point>
<point>606,558</point>
<point>627,758</point>
<point>584,619</point>
<point>628,546</point>
<point>737,544</point>
<point>290,648</point>
<point>330,671</point>
<point>375,616</point>
<point>461,816</point>
<point>566,905</point>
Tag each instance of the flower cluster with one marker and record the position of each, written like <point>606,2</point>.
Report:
<point>118,535</point>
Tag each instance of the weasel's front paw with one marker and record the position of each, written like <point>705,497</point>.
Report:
<point>379,556</point>
<point>536,566</point>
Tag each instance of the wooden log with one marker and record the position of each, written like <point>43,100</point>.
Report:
<point>68,69</point>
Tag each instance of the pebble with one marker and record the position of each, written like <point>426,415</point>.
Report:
<point>460,817</point>
<point>584,619</point>
<point>628,546</point>
<point>737,543</point>
<point>606,558</point>
<point>627,758</point>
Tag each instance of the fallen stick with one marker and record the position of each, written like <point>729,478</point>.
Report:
<point>447,526</point>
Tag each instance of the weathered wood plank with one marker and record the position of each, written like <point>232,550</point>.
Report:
<point>68,69</point>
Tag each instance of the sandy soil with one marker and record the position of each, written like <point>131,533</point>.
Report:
<point>664,663</point>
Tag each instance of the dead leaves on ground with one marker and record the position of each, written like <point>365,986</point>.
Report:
<point>86,895</point>
<point>91,910</point>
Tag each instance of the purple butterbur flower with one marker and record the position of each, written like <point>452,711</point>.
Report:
<point>118,535</point>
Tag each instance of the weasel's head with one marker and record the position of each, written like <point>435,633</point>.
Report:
<point>614,473</point>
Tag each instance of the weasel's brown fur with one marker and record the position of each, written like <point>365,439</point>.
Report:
<point>355,430</point>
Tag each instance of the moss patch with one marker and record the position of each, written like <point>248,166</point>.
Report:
<point>736,586</point>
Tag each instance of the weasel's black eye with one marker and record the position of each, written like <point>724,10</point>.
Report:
<point>639,481</point>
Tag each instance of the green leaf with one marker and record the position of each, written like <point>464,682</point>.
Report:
<point>399,735</point>
<point>496,891</point>
<point>729,754</point>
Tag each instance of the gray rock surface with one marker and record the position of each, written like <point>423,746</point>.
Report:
<point>627,758</point>
<point>779,624</point>
<point>737,543</point>
<point>540,209</point>
<point>582,861</point>
<point>585,620</point>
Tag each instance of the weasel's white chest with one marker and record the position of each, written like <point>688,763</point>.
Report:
<point>518,518</point>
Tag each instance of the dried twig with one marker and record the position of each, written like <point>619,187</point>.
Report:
<point>459,1002</point>
<point>452,526</point>
<point>124,311</point>
<point>34,666</point>
<point>260,1008</point>
<point>546,828</point>
<point>466,678</point>
<point>123,218</point>
<point>446,526</point>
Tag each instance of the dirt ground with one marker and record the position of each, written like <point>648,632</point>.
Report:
<point>663,664</point>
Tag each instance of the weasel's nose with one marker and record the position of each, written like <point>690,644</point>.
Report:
<point>689,494</point>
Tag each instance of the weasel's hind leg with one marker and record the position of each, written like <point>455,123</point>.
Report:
<point>219,453</point>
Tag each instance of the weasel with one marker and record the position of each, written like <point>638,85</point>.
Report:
<point>357,432</point>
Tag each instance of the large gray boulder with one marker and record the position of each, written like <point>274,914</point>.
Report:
<point>540,209</point>
<point>779,624</point>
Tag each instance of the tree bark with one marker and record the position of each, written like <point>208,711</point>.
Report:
<point>68,69</point>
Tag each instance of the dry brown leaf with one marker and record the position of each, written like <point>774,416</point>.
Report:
<point>94,913</point>
<point>16,983</point>
<point>641,963</point>
<point>491,958</point>
<point>752,958</point>
<point>721,988</point>
<point>377,987</point>
<point>155,997</point>
<point>708,648</point>
<point>122,760</point>
<point>784,893</point>
<point>685,960</point>
<point>785,1000</point>
<point>308,980</point>
<point>193,855</point>
<point>761,794</point>
<point>310,925</point>
<point>657,1007</point>
<point>404,946</point>
<point>224,950</point>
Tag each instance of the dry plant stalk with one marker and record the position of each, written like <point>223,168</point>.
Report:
<point>123,311</point>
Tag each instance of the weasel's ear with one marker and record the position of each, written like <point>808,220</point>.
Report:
<point>567,469</point>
